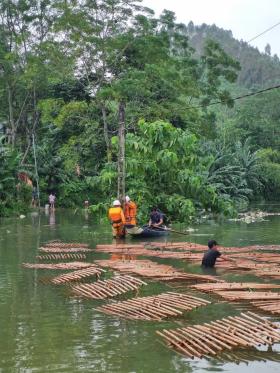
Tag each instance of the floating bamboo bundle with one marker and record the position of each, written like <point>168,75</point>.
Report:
<point>191,246</point>
<point>147,268</point>
<point>77,275</point>
<point>70,265</point>
<point>210,287</point>
<point>272,272</point>
<point>247,295</point>
<point>61,256</point>
<point>108,248</point>
<point>212,338</point>
<point>66,245</point>
<point>175,255</point>
<point>246,264</point>
<point>111,249</point>
<point>146,252</point>
<point>108,288</point>
<point>263,247</point>
<point>272,306</point>
<point>154,307</point>
<point>175,245</point>
<point>262,257</point>
<point>64,250</point>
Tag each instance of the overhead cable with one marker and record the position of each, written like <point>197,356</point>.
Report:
<point>264,32</point>
<point>235,98</point>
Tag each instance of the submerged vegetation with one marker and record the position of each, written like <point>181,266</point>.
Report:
<point>73,73</point>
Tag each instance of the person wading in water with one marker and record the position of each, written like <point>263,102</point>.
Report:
<point>117,219</point>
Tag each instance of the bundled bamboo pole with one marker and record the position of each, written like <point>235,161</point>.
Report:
<point>246,330</point>
<point>154,307</point>
<point>247,295</point>
<point>70,265</point>
<point>77,275</point>
<point>271,306</point>
<point>212,287</point>
<point>65,250</point>
<point>108,288</point>
<point>61,256</point>
<point>67,245</point>
<point>150,269</point>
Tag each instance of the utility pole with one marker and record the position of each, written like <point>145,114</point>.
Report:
<point>36,168</point>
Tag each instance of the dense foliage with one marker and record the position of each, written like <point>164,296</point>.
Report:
<point>72,72</point>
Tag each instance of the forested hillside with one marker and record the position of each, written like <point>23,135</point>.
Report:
<point>257,69</point>
<point>74,75</point>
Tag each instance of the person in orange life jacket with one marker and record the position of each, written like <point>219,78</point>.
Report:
<point>130,211</point>
<point>156,218</point>
<point>117,219</point>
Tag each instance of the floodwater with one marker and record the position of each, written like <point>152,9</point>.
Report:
<point>44,329</point>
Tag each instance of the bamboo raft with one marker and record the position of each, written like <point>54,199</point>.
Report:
<point>154,307</point>
<point>77,275</point>
<point>122,246</point>
<point>54,250</point>
<point>272,306</point>
<point>175,245</point>
<point>261,257</point>
<point>70,265</point>
<point>149,269</point>
<point>247,295</point>
<point>213,287</point>
<point>108,288</point>
<point>66,245</point>
<point>197,341</point>
<point>61,256</point>
<point>271,272</point>
<point>146,252</point>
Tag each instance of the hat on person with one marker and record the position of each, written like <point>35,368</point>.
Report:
<point>212,243</point>
<point>116,203</point>
<point>127,199</point>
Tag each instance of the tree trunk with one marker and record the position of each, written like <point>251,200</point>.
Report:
<point>11,117</point>
<point>121,155</point>
<point>106,135</point>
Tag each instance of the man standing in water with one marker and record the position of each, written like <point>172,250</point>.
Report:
<point>211,255</point>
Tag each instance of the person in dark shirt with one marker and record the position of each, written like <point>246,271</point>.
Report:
<point>211,255</point>
<point>156,218</point>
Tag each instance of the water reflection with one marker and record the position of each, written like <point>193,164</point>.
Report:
<point>52,218</point>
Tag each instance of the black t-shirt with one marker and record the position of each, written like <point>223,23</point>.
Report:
<point>155,217</point>
<point>210,257</point>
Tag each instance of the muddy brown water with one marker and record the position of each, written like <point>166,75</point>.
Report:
<point>44,329</point>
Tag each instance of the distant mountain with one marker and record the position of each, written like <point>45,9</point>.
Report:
<point>257,69</point>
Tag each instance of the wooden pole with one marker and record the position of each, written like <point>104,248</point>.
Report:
<point>36,169</point>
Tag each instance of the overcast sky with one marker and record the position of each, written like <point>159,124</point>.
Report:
<point>246,18</point>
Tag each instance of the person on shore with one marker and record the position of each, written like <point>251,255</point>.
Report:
<point>130,212</point>
<point>156,218</point>
<point>34,197</point>
<point>52,201</point>
<point>117,219</point>
<point>211,255</point>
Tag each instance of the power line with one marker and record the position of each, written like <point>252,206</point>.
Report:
<point>264,32</point>
<point>235,98</point>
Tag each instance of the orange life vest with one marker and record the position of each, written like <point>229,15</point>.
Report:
<point>130,211</point>
<point>116,216</point>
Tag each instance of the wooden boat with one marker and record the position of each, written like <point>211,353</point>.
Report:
<point>147,232</point>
